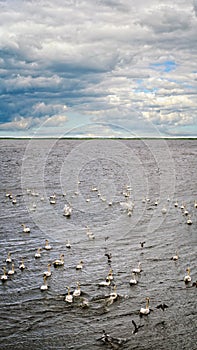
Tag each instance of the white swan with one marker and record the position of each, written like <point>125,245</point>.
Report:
<point>11,272</point>
<point>67,211</point>
<point>195,204</point>
<point>110,275</point>
<point>133,280</point>
<point>47,245</point>
<point>45,285</point>
<point>9,259</point>
<point>69,297</point>
<point>80,265</point>
<point>187,278</point>
<point>22,265</point>
<point>146,310</point>
<point>105,283</point>
<point>68,244</point>
<point>25,228</point>
<point>189,220</point>
<point>4,277</point>
<point>38,253</point>
<point>77,291</point>
<point>113,295</point>
<point>48,272</point>
<point>138,269</point>
<point>164,210</point>
<point>175,257</point>
<point>59,262</point>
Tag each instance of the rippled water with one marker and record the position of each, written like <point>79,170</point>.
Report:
<point>155,169</point>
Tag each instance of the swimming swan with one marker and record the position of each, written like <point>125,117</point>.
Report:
<point>4,277</point>
<point>25,229</point>
<point>187,278</point>
<point>77,291</point>
<point>137,269</point>
<point>45,285</point>
<point>59,262</point>
<point>48,272</point>
<point>146,310</point>
<point>69,297</point>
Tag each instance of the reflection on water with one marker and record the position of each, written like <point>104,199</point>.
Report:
<point>98,181</point>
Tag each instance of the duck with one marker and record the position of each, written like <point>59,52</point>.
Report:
<point>45,285</point>
<point>47,245</point>
<point>11,272</point>
<point>146,310</point>
<point>22,265</point>
<point>80,265</point>
<point>8,259</point>
<point>175,257</point>
<point>48,272</point>
<point>69,297</point>
<point>137,269</point>
<point>38,254</point>
<point>156,202</point>
<point>25,228</point>
<point>59,262</point>
<point>4,277</point>
<point>187,278</point>
<point>77,291</point>
<point>133,280</point>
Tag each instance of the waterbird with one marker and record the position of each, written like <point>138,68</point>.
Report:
<point>11,272</point>
<point>146,310</point>
<point>138,269</point>
<point>67,210</point>
<point>48,272</point>
<point>69,297</point>
<point>38,253</point>
<point>162,306</point>
<point>8,259</point>
<point>80,265</point>
<point>22,265</point>
<point>59,262</point>
<point>77,291</point>
<point>45,285</point>
<point>142,244</point>
<point>109,256</point>
<point>187,278</point>
<point>4,277</point>
<point>47,245</point>
<point>105,283</point>
<point>133,280</point>
<point>25,228</point>
<point>189,220</point>
<point>136,328</point>
<point>68,244</point>
<point>175,257</point>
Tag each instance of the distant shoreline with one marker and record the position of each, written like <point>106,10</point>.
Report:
<point>97,138</point>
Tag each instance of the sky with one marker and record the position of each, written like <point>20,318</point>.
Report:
<point>98,68</point>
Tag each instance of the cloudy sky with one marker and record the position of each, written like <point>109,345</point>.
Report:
<point>98,68</point>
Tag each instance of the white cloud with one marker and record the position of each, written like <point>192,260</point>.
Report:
<point>103,58</point>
